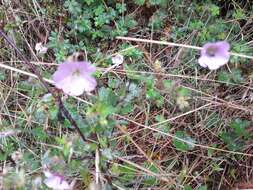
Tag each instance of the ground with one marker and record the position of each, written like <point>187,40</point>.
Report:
<point>156,121</point>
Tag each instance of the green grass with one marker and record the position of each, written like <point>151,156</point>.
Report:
<point>159,120</point>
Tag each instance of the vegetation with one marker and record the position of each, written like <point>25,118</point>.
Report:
<point>157,121</point>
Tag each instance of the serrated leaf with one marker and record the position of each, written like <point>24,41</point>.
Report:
<point>240,126</point>
<point>180,145</point>
<point>139,2</point>
<point>168,84</point>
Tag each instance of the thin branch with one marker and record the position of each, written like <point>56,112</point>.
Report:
<point>175,44</point>
<point>97,159</point>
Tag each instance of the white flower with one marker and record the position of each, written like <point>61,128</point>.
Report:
<point>214,55</point>
<point>56,181</point>
<point>40,48</point>
<point>36,183</point>
<point>117,59</point>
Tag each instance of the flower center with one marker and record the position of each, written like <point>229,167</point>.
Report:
<point>211,51</point>
<point>76,73</point>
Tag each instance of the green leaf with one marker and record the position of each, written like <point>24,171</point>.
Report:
<point>107,153</point>
<point>164,127</point>
<point>203,187</point>
<point>130,51</point>
<point>231,140</point>
<point>107,96</point>
<point>187,187</point>
<point>196,25</point>
<point>127,108</point>
<point>39,133</point>
<point>139,2</point>
<point>239,14</point>
<point>89,1</point>
<point>240,126</point>
<point>216,167</point>
<point>235,138</point>
<point>131,74</point>
<point>2,76</point>
<point>113,82</point>
<point>210,151</point>
<point>3,156</point>
<point>224,76</point>
<point>168,84</point>
<point>99,10</point>
<point>121,7</point>
<point>180,145</point>
<point>215,10</point>
<point>126,172</point>
<point>53,112</point>
<point>157,21</point>
<point>234,77</point>
<point>183,91</point>
<point>161,3</point>
<point>182,98</point>
<point>147,179</point>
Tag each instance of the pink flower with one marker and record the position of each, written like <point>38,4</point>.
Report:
<point>75,77</point>
<point>214,55</point>
<point>56,181</point>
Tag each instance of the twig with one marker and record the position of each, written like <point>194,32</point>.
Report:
<point>142,152</point>
<point>24,72</point>
<point>44,82</point>
<point>175,44</point>
<point>147,171</point>
<point>97,166</point>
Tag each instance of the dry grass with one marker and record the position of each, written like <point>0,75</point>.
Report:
<point>212,107</point>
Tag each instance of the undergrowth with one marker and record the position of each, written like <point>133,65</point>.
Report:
<point>159,120</point>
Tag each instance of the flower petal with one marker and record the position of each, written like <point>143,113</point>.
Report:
<point>63,70</point>
<point>55,181</point>
<point>72,85</point>
<point>214,55</point>
<point>75,77</point>
<point>48,173</point>
<point>223,45</point>
<point>90,83</point>
<point>86,67</point>
<point>52,182</point>
<point>118,59</point>
<point>40,48</point>
<point>212,63</point>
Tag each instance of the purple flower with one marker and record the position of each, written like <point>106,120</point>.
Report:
<point>75,77</point>
<point>214,55</point>
<point>56,181</point>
